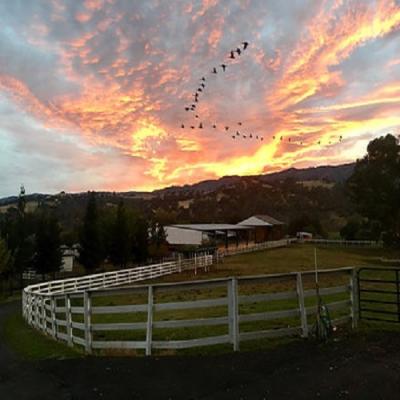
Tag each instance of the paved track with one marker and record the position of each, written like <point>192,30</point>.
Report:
<point>353,368</point>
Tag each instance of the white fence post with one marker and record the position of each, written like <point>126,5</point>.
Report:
<point>302,308</point>
<point>149,330</point>
<point>44,322</point>
<point>68,319</point>
<point>53,317</point>
<point>354,298</point>
<point>87,309</point>
<point>233,313</point>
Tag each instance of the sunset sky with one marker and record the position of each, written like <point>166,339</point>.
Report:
<point>92,93</point>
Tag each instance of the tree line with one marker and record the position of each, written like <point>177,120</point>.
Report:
<point>32,240</point>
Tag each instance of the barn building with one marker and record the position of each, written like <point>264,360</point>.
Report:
<point>256,229</point>
<point>264,228</point>
<point>220,235</point>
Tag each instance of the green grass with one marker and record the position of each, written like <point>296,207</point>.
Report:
<point>290,259</point>
<point>9,299</point>
<point>32,345</point>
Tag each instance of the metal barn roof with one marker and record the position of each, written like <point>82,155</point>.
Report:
<point>260,220</point>
<point>212,227</point>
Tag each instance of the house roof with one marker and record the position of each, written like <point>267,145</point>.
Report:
<point>260,220</point>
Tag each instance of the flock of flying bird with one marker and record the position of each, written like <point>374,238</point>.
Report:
<point>234,131</point>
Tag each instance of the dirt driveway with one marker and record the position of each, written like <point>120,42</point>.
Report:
<point>352,368</point>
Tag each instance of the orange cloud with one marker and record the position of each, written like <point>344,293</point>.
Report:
<point>127,75</point>
<point>83,17</point>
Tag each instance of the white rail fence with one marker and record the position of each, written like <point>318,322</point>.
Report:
<point>32,293</point>
<point>342,243</point>
<point>233,310</point>
<point>255,247</point>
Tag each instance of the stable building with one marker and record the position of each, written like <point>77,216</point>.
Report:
<point>264,227</point>
<point>256,229</point>
<point>220,235</point>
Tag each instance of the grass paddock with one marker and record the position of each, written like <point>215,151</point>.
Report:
<point>32,344</point>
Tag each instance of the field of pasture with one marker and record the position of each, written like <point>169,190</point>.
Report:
<point>294,258</point>
<point>167,321</point>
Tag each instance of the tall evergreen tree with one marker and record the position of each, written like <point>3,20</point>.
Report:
<point>141,240</point>
<point>120,248</point>
<point>48,254</point>
<point>5,262</point>
<point>157,247</point>
<point>91,250</point>
<point>23,239</point>
<point>375,186</point>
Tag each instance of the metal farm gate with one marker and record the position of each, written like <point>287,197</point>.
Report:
<point>379,294</point>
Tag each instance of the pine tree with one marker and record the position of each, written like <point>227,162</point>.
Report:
<point>141,240</point>
<point>5,262</point>
<point>48,254</point>
<point>120,249</point>
<point>158,247</point>
<point>91,250</point>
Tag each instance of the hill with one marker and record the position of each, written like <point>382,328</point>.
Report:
<point>317,193</point>
<point>335,174</point>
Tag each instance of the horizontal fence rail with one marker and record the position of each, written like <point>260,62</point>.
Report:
<point>34,295</point>
<point>92,312</point>
<point>255,247</point>
<point>342,243</point>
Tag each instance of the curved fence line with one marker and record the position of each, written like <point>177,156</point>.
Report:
<point>93,313</point>
<point>32,295</point>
